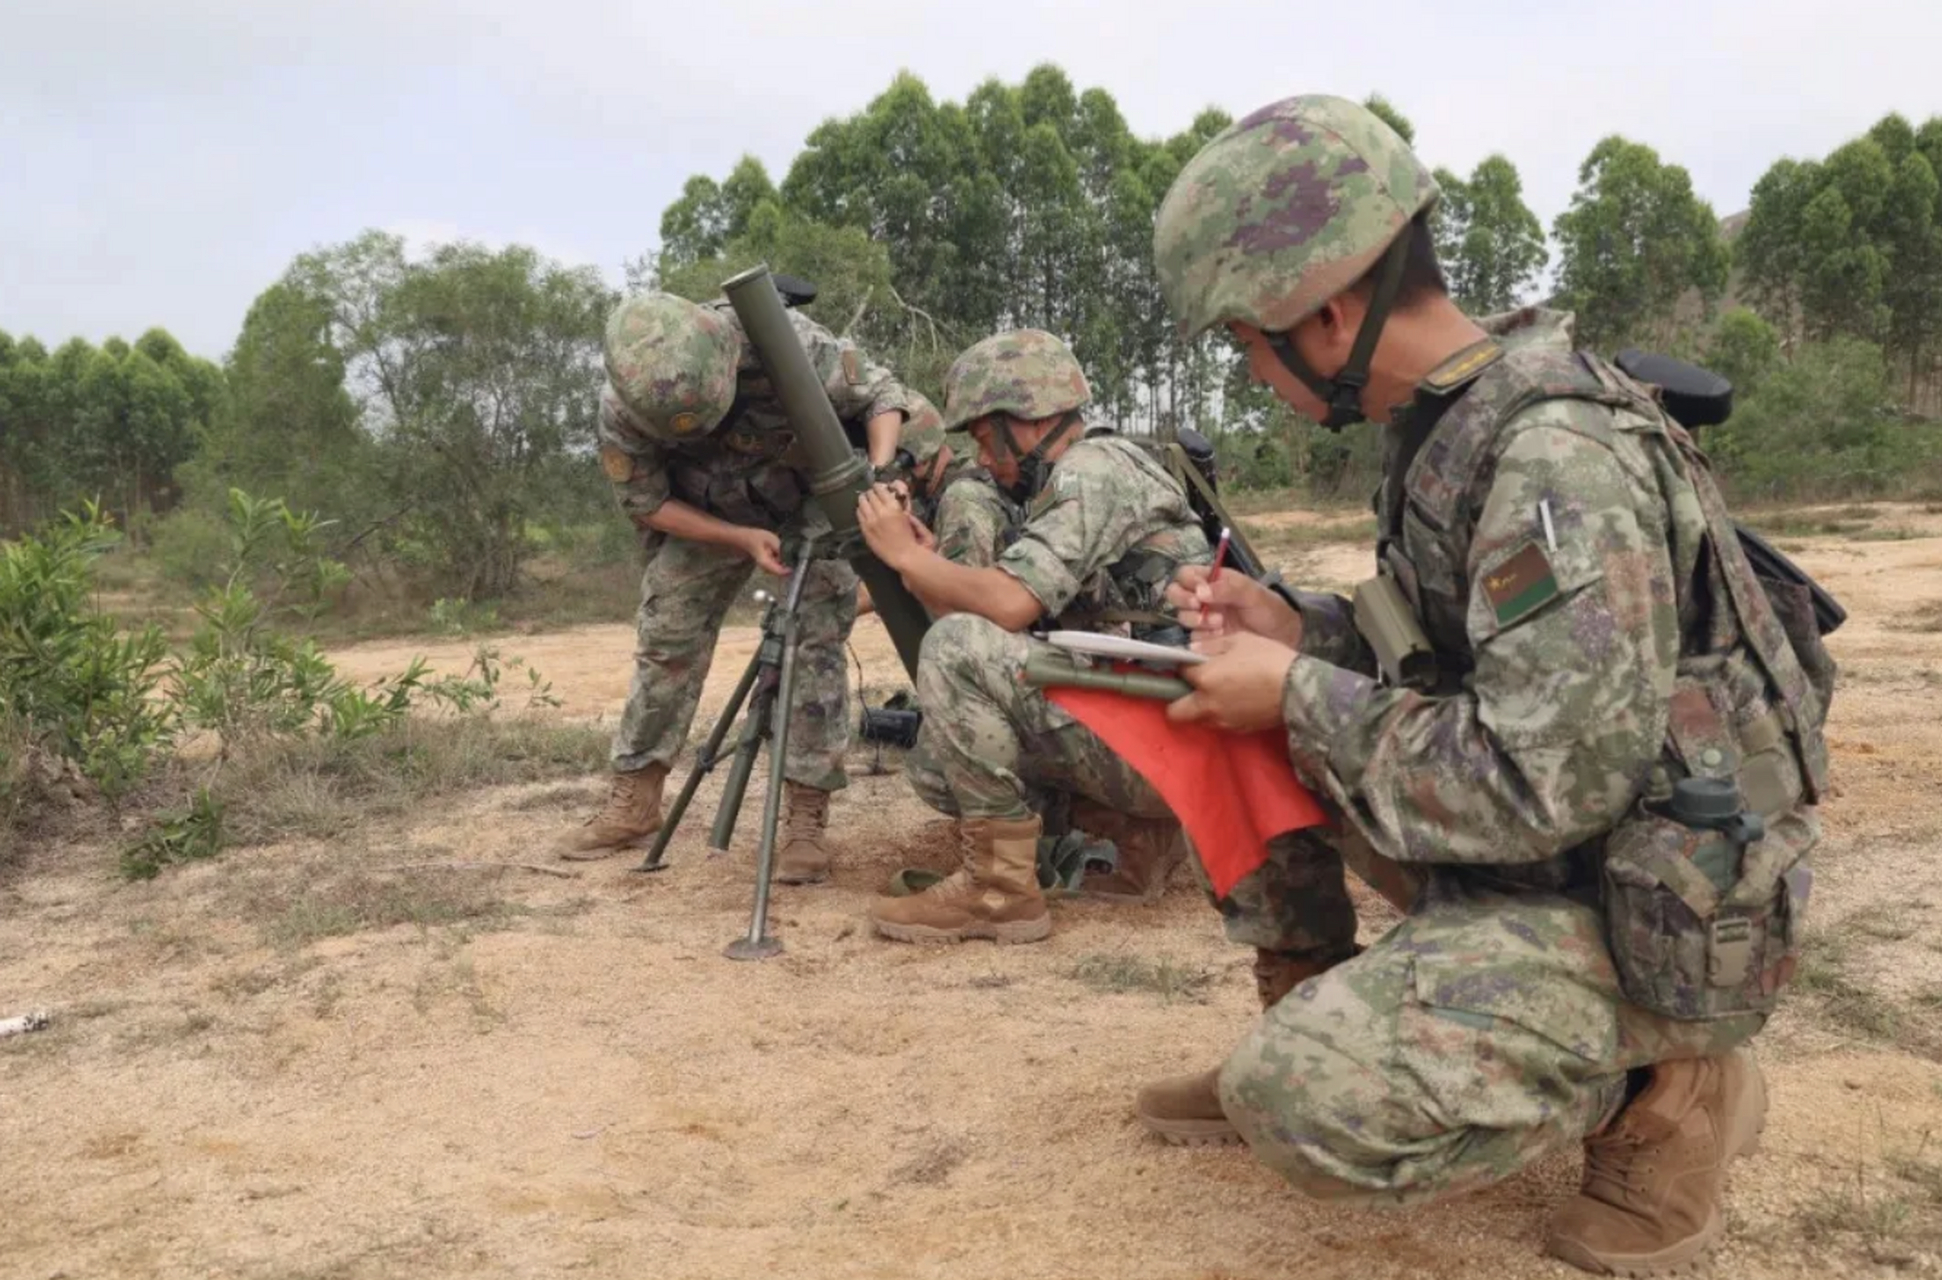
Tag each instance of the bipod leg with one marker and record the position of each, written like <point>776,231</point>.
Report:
<point>758,943</point>
<point>704,765</point>
<point>730,806</point>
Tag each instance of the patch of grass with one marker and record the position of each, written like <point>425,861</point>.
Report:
<point>1853,1006</point>
<point>1123,973</point>
<point>1856,1006</point>
<point>323,788</point>
<point>1358,531</point>
<point>456,977</point>
<point>1892,533</point>
<point>1890,1213</point>
<point>932,1168</point>
<point>249,983</point>
<point>555,594</point>
<point>1926,618</point>
<point>334,905</point>
<point>192,1025</point>
<point>1802,524</point>
<point>568,796</point>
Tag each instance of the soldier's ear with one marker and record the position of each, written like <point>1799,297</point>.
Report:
<point>1332,330</point>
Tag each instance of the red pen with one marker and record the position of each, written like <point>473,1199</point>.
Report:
<point>1220,554</point>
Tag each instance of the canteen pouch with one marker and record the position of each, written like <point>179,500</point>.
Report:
<point>1704,913</point>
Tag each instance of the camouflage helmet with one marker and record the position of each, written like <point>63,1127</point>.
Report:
<point>673,364</point>
<point>1282,211</point>
<point>1026,373</point>
<point>923,434</point>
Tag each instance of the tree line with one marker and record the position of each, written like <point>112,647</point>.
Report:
<point>440,409</point>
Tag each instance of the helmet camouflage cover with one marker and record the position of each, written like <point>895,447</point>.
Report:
<point>1026,373</point>
<point>923,431</point>
<point>672,363</point>
<point>1283,210</point>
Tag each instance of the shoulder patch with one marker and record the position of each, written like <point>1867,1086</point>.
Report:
<point>617,463</point>
<point>1520,584</point>
<point>852,367</point>
<point>1463,366</point>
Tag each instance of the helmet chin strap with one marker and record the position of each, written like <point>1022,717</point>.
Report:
<point>1031,464</point>
<point>1343,393</point>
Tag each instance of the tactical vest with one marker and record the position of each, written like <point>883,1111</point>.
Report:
<point>744,473</point>
<point>1697,931</point>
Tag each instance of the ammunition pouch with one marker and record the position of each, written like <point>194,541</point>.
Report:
<point>1403,652</point>
<point>1805,611</point>
<point>1134,594</point>
<point>764,497</point>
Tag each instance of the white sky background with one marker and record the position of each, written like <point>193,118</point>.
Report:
<point>161,161</point>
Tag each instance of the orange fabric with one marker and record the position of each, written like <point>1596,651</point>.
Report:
<point>1232,791</point>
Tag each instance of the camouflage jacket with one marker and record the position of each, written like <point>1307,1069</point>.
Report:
<point>749,470</point>
<point>973,519</point>
<point>1558,539</point>
<point>1104,536</point>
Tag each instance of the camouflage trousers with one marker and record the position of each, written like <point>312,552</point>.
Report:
<point>685,593</point>
<point>995,747</point>
<point>1484,1031</point>
<point>992,746</point>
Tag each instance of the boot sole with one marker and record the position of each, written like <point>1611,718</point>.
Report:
<point>1193,1133</point>
<point>1008,932</point>
<point>1688,1256</point>
<point>604,851</point>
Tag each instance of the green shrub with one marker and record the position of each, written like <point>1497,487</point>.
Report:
<point>71,682</point>
<point>78,690</point>
<point>191,545</point>
<point>1828,425</point>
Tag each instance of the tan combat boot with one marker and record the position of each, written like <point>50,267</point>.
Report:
<point>1654,1173</point>
<point>633,812</point>
<point>995,895</point>
<point>1149,850</point>
<point>803,858</point>
<point>1185,1110</point>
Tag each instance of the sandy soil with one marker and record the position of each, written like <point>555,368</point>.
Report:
<point>581,1083</point>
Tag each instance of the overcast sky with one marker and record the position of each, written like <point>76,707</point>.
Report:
<point>161,161</point>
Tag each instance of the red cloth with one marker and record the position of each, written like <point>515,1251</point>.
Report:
<point>1232,791</point>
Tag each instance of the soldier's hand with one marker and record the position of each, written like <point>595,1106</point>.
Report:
<point>1238,688</point>
<point>1235,604</point>
<point>886,525</point>
<point>765,549</point>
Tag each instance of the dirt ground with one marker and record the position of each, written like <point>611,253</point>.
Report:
<point>563,1076</point>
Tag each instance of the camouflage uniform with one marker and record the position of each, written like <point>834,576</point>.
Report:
<point>966,511</point>
<point>1562,545</point>
<point>1109,526</point>
<point>972,518</point>
<point>747,471</point>
<point>1100,540</point>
